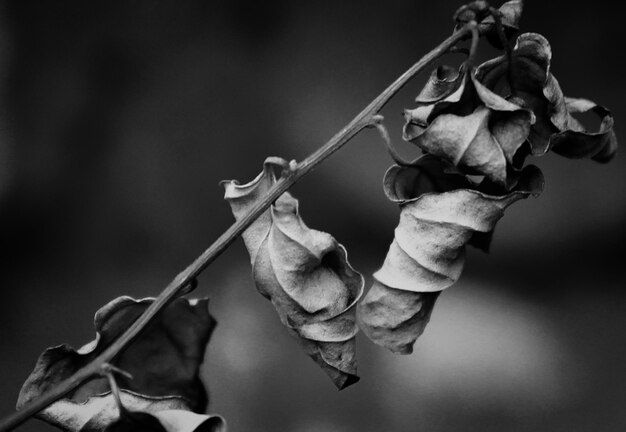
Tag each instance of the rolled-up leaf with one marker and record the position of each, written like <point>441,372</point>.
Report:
<point>445,82</point>
<point>305,274</point>
<point>529,81</point>
<point>468,125</point>
<point>164,361</point>
<point>440,214</point>
<point>576,143</point>
<point>100,413</point>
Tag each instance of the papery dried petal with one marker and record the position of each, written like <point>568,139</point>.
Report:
<point>306,275</point>
<point>438,218</point>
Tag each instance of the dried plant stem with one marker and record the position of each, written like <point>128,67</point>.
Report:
<point>187,277</point>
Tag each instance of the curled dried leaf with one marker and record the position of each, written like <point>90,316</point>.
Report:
<point>165,420</point>
<point>131,421</point>
<point>440,214</point>
<point>305,274</point>
<point>100,413</point>
<point>444,81</point>
<point>466,124</point>
<point>164,362</point>
<point>575,142</point>
<point>510,14</point>
<point>531,83</point>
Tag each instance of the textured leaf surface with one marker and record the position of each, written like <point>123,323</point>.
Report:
<point>100,413</point>
<point>510,15</point>
<point>305,274</point>
<point>531,83</point>
<point>575,142</point>
<point>442,83</point>
<point>440,214</point>
<point>166,420</point>
<point>164,362</point>
<point>465,123</point>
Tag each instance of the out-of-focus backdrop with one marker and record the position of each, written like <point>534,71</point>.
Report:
<point>118,119</point>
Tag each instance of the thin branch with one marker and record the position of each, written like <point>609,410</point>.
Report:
<point>471,58</point>
<point>497,18</point>
<point>384,134</point>
<point>183,281</point>
<point>108,371</point>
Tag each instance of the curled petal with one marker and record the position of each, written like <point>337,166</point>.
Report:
<point>305,274</point>
<point>426,256</point>
<point>575,142</point>
<point>164,362</point>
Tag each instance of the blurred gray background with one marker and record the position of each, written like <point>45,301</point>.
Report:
<point>118,119</point>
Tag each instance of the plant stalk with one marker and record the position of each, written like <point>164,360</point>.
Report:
<point>187,277</point>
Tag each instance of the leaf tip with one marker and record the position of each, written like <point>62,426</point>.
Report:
<point>346,381</point>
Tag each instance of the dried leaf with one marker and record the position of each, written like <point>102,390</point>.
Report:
<point>305,274</point>
<point>463,122</point>
<point>531,83</point>
<point>166,420</point>
<point>440,213</point>
<point>510,15</point>
<point>130,421</point>
<point>442,83</point>
<point>100,413</point>
<point>164,362</point>
<point>576,143</point>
